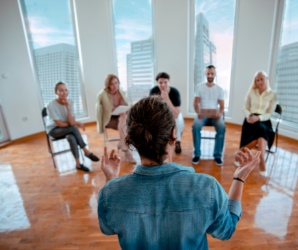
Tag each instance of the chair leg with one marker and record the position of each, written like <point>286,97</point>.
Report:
<point>53,161</point>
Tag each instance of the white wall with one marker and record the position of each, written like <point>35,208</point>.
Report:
<point>18,95</point>
<point>171,43</point>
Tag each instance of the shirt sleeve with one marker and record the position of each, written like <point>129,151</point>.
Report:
<point>221,95</point>
<point>225,214</point>
<point>175,99</point>
<point>101,211</point>
<point>53,113</point>
<point>270,110</point>
<point>246,109</point>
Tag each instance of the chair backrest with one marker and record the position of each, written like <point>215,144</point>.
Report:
<point>44,114</point>
<point>278,109</point>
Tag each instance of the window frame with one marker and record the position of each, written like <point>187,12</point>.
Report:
<point>191,52</point>
<point>114,50</point>
<point>276,40</point>
<point>32,59</point>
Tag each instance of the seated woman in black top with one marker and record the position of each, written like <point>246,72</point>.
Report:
<point>172,96</point>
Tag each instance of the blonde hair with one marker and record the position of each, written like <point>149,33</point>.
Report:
<point>109,78</point>
<point>254,84</point>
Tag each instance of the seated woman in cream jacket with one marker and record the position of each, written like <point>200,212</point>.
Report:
<point>108,100</point>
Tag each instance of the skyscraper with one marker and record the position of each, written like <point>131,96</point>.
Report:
<point>287,81</point>
<point>59,63</point>
<point>139,64</point>
<point>205,50</point>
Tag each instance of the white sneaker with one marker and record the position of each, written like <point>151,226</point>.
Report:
<point>236,163</point>
<point>264,173</point>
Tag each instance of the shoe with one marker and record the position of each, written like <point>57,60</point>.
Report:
<point>119,147</point>
<point>92,157</point>
<point>236,163</point>
<point>218,161</point>
<point>83,168</point>
<point>178,149</point>
<point>195,160</point>
<point>264,173</point>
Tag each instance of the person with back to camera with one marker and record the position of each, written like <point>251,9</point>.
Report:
<point>163,205</point>
<point>172,96</point>
<point>108,100</point>
<point>62,123</point>
<point>257,128</point>
<point>207,97</point>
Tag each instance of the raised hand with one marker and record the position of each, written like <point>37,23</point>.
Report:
<point>164,95</point>
<point>247,163</point>
<point>110,165</point>
<point>65,102</point>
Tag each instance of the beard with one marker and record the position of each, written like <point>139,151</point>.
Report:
<point>210,79</point>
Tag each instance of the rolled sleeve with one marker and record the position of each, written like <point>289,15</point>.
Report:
<point>234,207</point>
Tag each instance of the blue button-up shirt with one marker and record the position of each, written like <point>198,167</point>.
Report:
<point>166,207</point>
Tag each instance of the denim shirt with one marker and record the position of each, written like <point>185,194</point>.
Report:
<point>166,207</point>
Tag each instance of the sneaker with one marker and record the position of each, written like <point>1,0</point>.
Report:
<point>218,161</point>
<point>178,149</point>
<point>195,160</point>
<point>83,168</point>
<point>92,157</point>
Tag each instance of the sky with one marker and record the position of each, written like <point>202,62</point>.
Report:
<point>132,22</point>
<point>220,15</point>
<point>290,23</point>
<point>50,22</point>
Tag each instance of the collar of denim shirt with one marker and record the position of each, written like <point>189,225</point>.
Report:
<point>167,168</point>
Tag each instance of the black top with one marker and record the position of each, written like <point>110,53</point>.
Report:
<point>174,95</point>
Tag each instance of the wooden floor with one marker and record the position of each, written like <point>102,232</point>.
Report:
<point>46,208</point>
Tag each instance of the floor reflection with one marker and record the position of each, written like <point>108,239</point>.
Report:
<point>275,208</point>
<point>12,212</point>
<point>65,162</point>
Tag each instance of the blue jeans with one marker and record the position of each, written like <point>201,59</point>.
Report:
<point>220,128</point>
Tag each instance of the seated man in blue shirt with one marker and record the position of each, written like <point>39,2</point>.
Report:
<point>163,205</point>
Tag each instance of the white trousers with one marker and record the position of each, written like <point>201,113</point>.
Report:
<point>179,126</point>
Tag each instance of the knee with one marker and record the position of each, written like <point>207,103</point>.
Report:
<point>221,128</point>
<point>197,125</point>
<point>70,137</point>
<point>74,128</point>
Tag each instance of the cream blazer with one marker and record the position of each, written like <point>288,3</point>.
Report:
<point>104,107</point>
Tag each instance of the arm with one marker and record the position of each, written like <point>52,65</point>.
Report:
<point>101,212</point>
<point>269,111</point>
<point>227,209</point>
<point>70,117</point>
<point>165,97</point>
<point>221,109</point>
<point>196,106</point>
<point>246,109</point>
<point>61,124</point>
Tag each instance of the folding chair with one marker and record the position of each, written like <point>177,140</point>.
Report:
<point>49,138</point>
<point>278,111</point>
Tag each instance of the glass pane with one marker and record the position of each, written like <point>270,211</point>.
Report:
<point>1,134</point>
<point>214,31</point>
<point>134,46</point>
<point>286,74</point>
<point>52,39</point>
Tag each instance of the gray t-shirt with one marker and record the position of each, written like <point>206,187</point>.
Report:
<point>209,96</point>
<point>57,111</point>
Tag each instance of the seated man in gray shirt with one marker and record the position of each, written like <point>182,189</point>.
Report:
<point>62,123</point>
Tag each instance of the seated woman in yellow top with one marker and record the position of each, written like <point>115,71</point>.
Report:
<point>108,100</point>
<point>257,128</point>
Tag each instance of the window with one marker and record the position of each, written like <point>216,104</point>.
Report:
<point>212,43</point>
<point>52,39</point>
<point>286,71</point>
<point>134,46</point>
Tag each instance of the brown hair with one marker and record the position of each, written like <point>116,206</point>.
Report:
<point>150,124</point>
<point>59,83</point>
<point>109,78</point>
